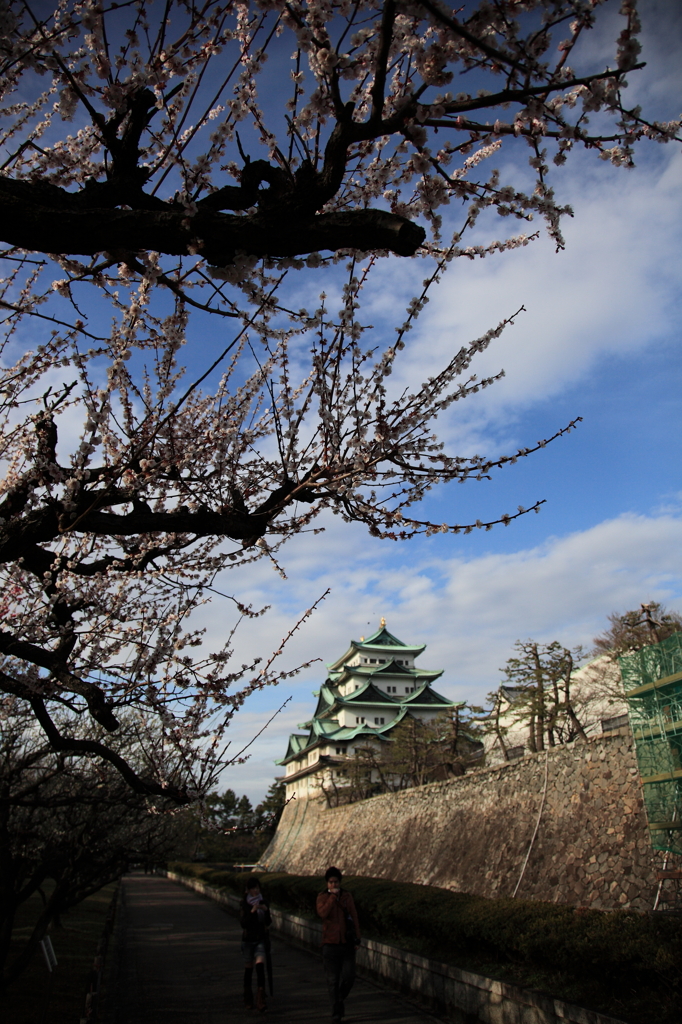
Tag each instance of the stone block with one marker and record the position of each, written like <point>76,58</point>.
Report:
<point>473,833</point>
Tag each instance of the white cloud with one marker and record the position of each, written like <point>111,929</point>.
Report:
<point>468,610</point>
<point>258,772</point>
<point>612,292</point>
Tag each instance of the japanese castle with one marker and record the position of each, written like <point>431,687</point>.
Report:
<point>369,690</point>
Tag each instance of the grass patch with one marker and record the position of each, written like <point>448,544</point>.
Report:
<point>58,998</point>
<point>621,963</point>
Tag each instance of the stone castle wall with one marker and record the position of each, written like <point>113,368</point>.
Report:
<point>472,834</point>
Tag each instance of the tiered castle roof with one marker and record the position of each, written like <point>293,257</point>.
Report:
<point>374,677</point>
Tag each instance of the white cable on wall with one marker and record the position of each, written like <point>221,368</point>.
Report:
<point>537,825</point>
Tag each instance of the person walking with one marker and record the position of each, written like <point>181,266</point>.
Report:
<point>340,937</point>
<point>254,917</point>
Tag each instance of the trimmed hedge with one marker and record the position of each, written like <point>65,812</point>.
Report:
<point>623,963</point>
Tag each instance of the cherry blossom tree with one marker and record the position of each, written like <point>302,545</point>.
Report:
<point>172,176</point>
<point>68,826</point>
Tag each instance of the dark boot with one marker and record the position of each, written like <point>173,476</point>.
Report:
<point>260,999</point>
<point>248,991</point>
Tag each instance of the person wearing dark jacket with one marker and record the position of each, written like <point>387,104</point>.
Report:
<point>340,937</point>
<point>254,917</point>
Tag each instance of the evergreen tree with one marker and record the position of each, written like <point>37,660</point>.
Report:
<point>269,810</point>
<point>540,678</point>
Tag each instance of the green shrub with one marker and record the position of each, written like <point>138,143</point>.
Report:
<point>621,962</point>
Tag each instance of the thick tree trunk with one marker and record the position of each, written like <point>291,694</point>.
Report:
<point>539,700</point>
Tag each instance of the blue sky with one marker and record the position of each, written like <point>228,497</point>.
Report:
<point>600,339</point>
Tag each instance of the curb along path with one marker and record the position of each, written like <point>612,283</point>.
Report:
<point>461,996</point>
<point>179,962</point>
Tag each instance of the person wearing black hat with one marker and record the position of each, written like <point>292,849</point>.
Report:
<point>340,937</point>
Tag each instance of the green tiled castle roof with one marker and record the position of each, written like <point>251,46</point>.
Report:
<point>359,688</point>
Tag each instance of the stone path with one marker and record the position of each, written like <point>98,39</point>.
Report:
<point>178,961</point>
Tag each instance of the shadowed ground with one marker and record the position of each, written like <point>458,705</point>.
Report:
<point>178,961</point>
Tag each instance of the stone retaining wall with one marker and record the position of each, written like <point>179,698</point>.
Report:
<point>473,834</point>
<point>463,997</point>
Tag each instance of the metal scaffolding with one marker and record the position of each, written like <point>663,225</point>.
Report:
<point>652,679</point>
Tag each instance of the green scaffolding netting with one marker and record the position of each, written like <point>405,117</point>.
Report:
<point>654,699</point>
<point>657,661</point>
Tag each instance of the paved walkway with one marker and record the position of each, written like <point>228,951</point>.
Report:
<point>178,961</point>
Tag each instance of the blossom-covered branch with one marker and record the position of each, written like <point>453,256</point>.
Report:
<point>195,199</point>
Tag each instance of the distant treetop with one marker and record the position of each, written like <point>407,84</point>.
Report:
<point>648,624</point>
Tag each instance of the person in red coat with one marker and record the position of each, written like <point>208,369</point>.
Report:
<point>340,937</point>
